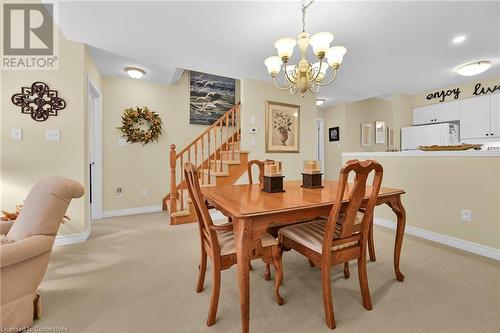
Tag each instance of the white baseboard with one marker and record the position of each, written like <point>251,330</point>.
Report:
<point>131,211</point>
<point>72,239</point>
<point>461,244</point>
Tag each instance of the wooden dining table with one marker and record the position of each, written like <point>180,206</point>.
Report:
<point>252,211</point>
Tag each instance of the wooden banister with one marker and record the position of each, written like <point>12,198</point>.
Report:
<point>207,148</point>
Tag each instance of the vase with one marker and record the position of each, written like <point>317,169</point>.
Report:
<point>283,137</point>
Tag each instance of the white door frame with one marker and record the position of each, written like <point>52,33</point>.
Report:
<point>95,149</point>
<point>320,142</point>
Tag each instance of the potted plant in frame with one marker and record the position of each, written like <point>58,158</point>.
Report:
<point>283,125</point>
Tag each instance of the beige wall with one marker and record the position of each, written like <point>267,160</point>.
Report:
<point>25,162</point>
<point>395,112</point>
<point>254,95</point>
<point>334,116</point>
<point>136,167</point>
<point>437,188</point>
<point>466,91</point>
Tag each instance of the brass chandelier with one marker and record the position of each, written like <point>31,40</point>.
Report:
<point>305,75</point>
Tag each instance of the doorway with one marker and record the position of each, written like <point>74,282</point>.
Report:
<point>95,151</point>
<point>320,143</point>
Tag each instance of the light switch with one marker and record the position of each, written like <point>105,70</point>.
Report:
<point>252,142</point>
<point>122,142</point>
<point>52,135</point>
<point>16,134</point>
<point>252,120</point>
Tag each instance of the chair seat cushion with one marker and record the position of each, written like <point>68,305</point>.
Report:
<point>228,246</point>
<point>311,234</point>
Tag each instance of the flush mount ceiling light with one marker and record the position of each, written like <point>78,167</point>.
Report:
<point>305,75</point>
<point>473,68</point>
<point>459,39</point>
<point>320,101</point>
<point>134,72</point>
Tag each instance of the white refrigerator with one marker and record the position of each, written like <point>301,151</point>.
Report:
<point>445,134</point>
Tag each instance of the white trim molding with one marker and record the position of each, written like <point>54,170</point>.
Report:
<point>131,211</point>
<point>457,243</point>
<point>72,239</point>
<point>420,153</point>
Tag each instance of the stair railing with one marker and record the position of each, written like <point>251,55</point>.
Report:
<point>207,151</point>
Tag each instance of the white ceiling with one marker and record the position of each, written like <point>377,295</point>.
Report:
<point>392,46</point>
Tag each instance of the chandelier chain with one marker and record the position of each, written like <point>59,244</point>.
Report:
<point>305,5</point>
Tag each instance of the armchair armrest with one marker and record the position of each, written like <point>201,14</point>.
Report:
<point>5,227</point>
<point>13,253</point>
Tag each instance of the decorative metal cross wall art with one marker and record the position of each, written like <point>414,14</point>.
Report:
<point>39,101</point>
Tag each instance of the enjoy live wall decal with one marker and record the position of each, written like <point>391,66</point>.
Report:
<point>210,97</point>
<point>455,92</point>
<point>39,101</point>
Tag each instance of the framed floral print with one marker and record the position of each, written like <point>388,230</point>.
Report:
<point>282,127</point>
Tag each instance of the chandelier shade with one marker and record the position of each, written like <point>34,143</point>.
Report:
<point>320,42</point>
<point>285,47</point>
<point>273,65</point>
<point>335,55</point>
<point>305,75</point>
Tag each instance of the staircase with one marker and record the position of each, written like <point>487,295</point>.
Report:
<point>220,161</point>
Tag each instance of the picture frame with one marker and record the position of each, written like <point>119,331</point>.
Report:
<point>366,135</point>
<point>282,127</point>
<point>210,97</point>
<point>380,132</point>
<point>334,134</point>
<point>390,138</point>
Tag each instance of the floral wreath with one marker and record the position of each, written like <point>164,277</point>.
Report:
<point>140,116</point>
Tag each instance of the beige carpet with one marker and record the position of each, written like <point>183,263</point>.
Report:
<point>138,274</point>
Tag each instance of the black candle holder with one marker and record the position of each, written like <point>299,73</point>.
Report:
<point>312,180</point>
<point>273,184</point>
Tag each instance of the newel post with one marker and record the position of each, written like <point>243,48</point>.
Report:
<point>173,182</point>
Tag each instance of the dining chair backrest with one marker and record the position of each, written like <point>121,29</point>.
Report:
<point>344,227</point>
<point>261,170</point>
<point>207,233</point>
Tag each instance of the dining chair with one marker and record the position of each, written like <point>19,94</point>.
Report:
<point>272,230</point>
<point>217,242</point>
<point>260,164</point>
<point>337,240</point>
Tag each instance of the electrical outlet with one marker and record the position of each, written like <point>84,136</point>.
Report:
<point>144,192</point>
<point>253,130</point>
<point>119,192</point>
<point>16,134</point>
<point>466,215</point>
<point>252,142</point>
<point>52,135</point>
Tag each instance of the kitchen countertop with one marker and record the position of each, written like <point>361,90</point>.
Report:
<point>417,153</point>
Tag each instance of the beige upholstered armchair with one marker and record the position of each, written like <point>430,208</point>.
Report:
<point>26,248</point>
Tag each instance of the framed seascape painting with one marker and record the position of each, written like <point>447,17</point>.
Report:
<point>282,128</point>
<point>210,96</point>
<point>366,135</point>
<point>333,134</point>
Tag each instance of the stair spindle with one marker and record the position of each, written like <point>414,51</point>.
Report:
<point>173,181</point>
<point>182,182</point>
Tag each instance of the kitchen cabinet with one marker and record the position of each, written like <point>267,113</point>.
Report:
<point>436,113</point>
<point>480,117</point>
<point>495,114</point>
